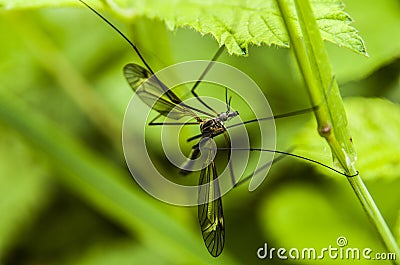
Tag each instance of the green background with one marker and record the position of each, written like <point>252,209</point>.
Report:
<point>68,198</point>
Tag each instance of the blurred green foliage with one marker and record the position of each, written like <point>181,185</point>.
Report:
<point>67,197</point>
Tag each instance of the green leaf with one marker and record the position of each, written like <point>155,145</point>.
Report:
<point>35,4</point>
<point>235,24</point>
<point>377,22</point>
<point>375,127</point>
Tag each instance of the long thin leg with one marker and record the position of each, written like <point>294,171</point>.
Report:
<point>172,123</point>
<point>243,180</point>
<point>122,35</point>
<point>292,155</point>
<point>279,116</point>
<point>153,123</point>
<point>282,155</point>
<point>217,54</point>
<point>293,113</point>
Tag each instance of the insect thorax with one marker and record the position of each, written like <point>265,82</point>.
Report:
<point>212,127</point>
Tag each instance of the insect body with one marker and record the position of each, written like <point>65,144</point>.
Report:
<point>215,126</point>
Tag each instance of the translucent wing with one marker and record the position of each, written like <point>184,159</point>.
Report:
<point>154,93</point>
<point>210,214</point>
<point>136,75</point>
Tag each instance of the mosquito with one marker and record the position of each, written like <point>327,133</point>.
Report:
<point>160,98</point>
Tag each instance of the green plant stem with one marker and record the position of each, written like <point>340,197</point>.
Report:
<point>331,117</point>
<point>374,215</point>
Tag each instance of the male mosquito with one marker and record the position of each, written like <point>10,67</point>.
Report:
<point>161,99</point>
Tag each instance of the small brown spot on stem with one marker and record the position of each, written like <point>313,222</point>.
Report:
<point>325,131</point>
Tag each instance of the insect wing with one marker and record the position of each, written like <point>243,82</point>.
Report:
<point>210,215</point>
<point>154,93</point>
<point>136,75</point>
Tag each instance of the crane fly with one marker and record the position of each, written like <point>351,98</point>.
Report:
<point>210,214</point>
<point>160,98</point>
